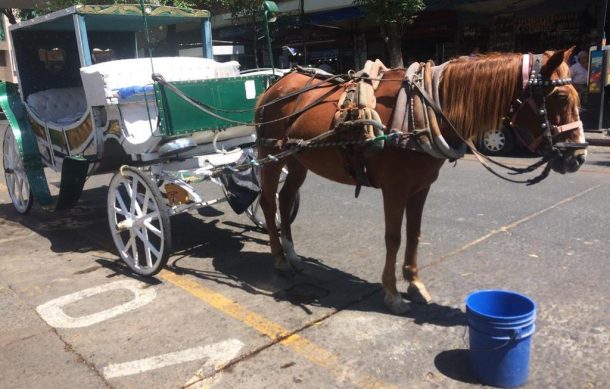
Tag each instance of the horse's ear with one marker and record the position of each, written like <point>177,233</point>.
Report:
<point>568,54</point>
<point>556,59</point>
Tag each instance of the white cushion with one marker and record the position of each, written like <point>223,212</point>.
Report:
<point>62,106</point>
<point>103,81</point>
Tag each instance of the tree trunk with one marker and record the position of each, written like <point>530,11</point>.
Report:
<point>395,48</point>
<point>255,41</point>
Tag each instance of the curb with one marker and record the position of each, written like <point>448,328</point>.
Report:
<point>597,138</point>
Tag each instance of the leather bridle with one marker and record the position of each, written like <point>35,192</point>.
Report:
<point>534,96</point>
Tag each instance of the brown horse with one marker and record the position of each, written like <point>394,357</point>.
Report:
<point>475,93</point>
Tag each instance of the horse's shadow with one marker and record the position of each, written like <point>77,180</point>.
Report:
<point>231,247</point>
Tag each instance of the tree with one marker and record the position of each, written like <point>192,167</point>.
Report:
<point>248,11</point>
<point>393,16</point>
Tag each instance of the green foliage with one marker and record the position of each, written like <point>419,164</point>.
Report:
<point>394,13</point>
<point>244,9</point>
<point>44,7</point>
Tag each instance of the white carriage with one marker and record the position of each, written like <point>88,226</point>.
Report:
<point>86,104</point>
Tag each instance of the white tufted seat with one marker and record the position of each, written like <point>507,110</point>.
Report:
<point>61,106</point>
<point>103,81</point>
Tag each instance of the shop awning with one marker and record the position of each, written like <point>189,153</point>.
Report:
<point>336,15</point>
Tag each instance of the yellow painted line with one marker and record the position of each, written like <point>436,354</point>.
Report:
<point>277,333</point>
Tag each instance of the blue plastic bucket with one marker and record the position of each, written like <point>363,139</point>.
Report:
<point>500,328</point>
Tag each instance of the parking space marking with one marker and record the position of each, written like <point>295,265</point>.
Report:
<point>278,334</point>
<point>217,354</point>
<point>509,226</point>
<point>53,313</point>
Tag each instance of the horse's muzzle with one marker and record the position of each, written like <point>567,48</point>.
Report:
<point>569,162</point>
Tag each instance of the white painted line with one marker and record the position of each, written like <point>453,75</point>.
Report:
<point>217,354</point>
<point>53,313</point>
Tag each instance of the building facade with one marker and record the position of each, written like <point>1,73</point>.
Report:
<point>341,36</point>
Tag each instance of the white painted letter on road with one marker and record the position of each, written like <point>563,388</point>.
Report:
<point>52,312</point>
<point>216,354</point>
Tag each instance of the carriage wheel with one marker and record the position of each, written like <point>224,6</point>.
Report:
<point>15,176</point>
<point>139,221</point>
<point>255,211</point>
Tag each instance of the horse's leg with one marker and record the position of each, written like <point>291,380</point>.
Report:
<point>394,203</point>
<point>270,176</point>
<point>415,206</point>
<point>294,180</point>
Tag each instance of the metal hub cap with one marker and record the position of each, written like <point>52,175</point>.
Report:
<point>494,140</point>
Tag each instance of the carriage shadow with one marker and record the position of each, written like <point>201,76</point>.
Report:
<point>226,252</point>
<point>88,217</point>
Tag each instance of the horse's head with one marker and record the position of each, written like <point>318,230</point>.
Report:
<point>546,117</point>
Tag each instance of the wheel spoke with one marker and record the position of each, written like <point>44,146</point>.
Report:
<point>144,238</point>
<point>18,185</point>
<point>147,247</point>
<point>153,229</point>
<point>151,216</point>
<point>135,206</point>
<point>130,241</point>
<point>145,202</point>
<point>134,249</point>
<point>120,211</point>
<point>119,198</point>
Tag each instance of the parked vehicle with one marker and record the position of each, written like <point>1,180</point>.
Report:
<point>497,142</point>
<point>87,104</point>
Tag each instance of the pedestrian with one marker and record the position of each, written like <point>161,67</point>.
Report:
<point>580,74</point>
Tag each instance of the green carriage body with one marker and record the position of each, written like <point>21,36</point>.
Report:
<point>235,96</point>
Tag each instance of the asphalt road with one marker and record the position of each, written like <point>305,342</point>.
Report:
<point>72,316</point>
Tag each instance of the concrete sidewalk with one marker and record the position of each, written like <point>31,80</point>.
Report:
<point>598,137</point>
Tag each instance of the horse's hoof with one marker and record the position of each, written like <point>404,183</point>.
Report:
<point>396,304</point>
<point>297,264</point>
<point>418,293</point>
<point>285,269</point>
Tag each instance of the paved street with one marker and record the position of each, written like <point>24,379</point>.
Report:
<point>72,316</point>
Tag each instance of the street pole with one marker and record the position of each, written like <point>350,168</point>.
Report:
<point>602,23</point>
<point>602,43</point>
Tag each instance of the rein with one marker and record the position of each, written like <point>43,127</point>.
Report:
<point>210,110</point>
<point>533,94</point>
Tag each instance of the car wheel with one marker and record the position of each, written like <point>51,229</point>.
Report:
<point>497,142</point>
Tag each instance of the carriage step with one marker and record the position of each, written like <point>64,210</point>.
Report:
<point>73,175</point>
<point>177,146</point>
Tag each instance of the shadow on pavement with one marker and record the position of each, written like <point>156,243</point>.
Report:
<point>205,237</point>
<point>455,364</point>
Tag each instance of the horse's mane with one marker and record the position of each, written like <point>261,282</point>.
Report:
<point>476,91</point>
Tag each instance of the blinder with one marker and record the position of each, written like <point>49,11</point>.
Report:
<point>545,141</point>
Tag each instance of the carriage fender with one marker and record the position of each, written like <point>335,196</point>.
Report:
<point>13,108</point>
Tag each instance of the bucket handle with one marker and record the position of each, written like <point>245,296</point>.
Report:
<point>515,335</point>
